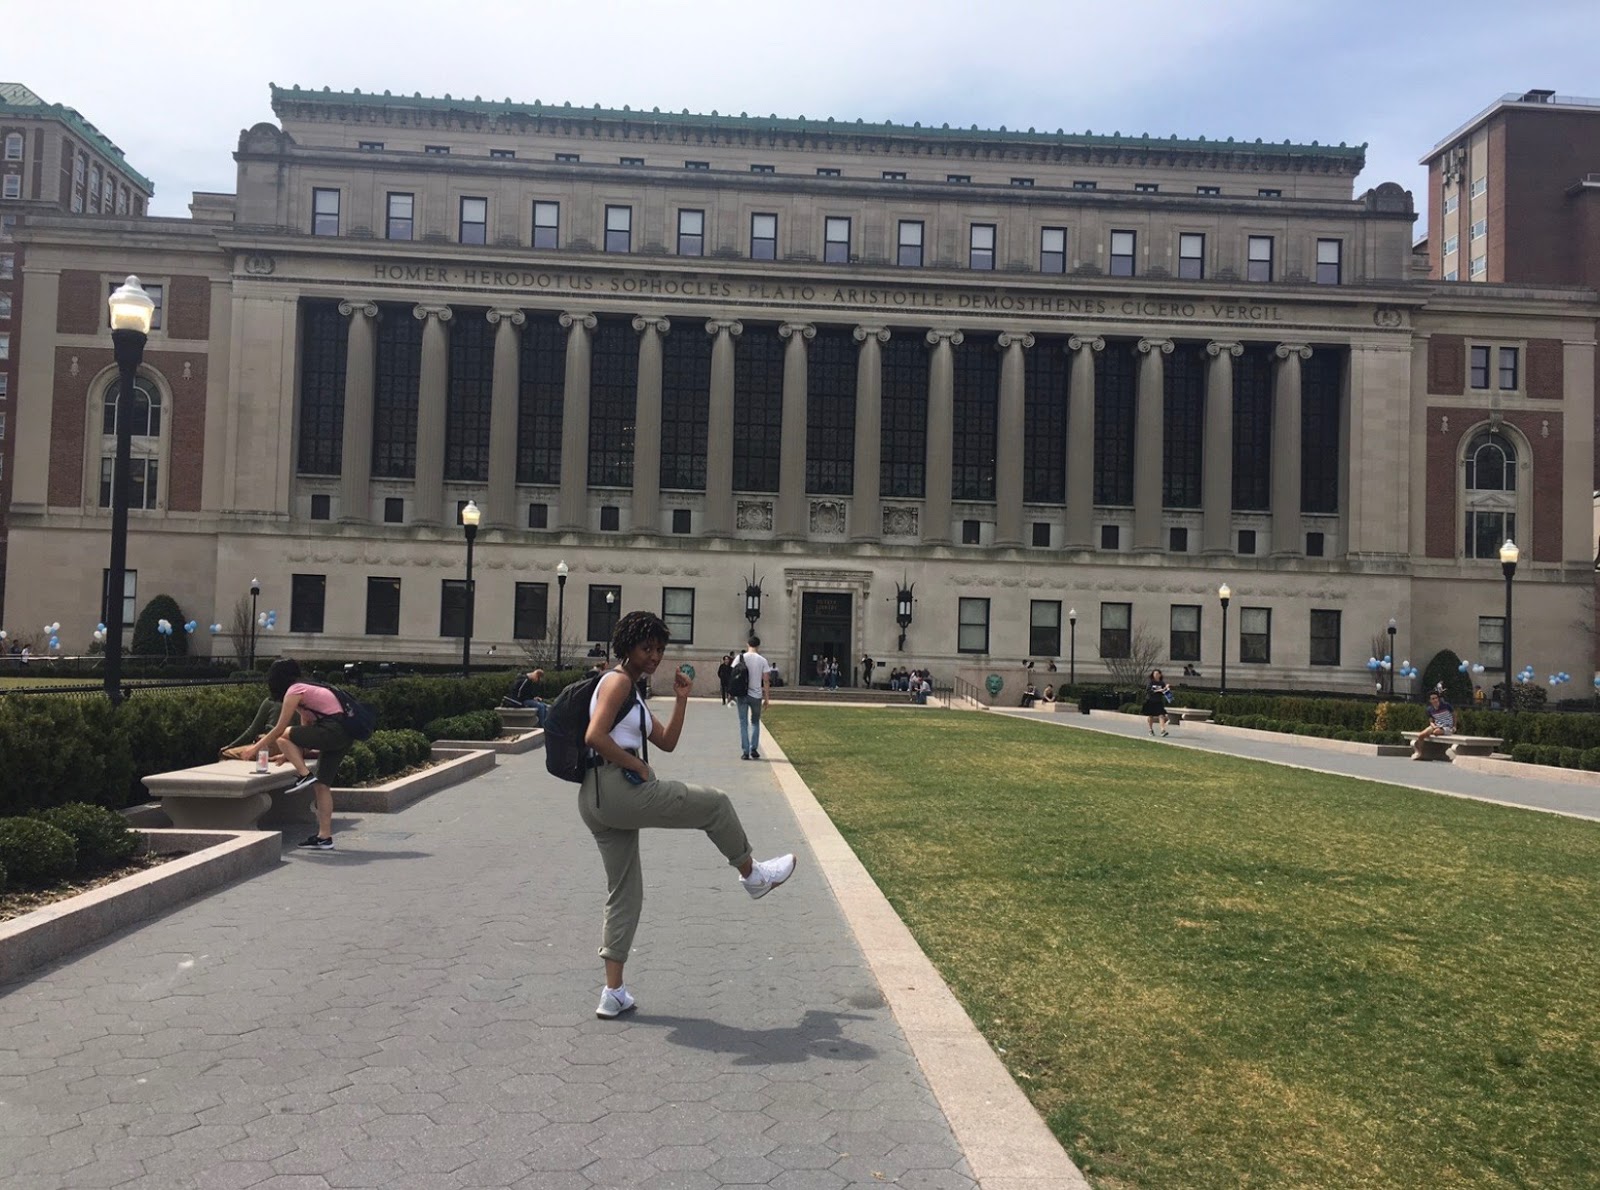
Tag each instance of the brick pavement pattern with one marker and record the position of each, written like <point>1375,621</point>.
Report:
<point>415,1011</point>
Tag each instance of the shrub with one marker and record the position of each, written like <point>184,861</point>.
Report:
<point>1548,754</point>
<point>385,753</point>
<point>360,764</point>
<point>34,852</point>
<point>2,877</point>
<point>1591,759</point>
<point>1571,758</point>
<point>101,837</point>
<point>1524,754</point>
<point>475,725</point>
<point>147,636</point>
<point>1446,667</point>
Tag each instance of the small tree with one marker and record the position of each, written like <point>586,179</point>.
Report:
<point>541,654</point>
<point>1446,667</point>
<point>238,630</point>
<point>1145,650</point>
<point>148,639</point>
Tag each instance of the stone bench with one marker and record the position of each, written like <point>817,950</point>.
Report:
<point>1447,747</point>
<point>1198,714</point>
<point>518,719</point>
<point>228,795</point>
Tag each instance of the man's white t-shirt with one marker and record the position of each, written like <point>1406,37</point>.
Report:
<point>758,666</point>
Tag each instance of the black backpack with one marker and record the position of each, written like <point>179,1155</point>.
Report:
<point>360,719</point>
<point>739,680</point>
<point>565,753</point>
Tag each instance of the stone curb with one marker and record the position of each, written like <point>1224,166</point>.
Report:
<point>1534,772</point>
<point>1006,1142</point>
<point>1280,737</point>
<point>525,741</point>
<point>393,796</point>
<point>219,857</point>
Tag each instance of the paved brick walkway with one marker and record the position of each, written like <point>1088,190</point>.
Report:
<point>415,1010</point>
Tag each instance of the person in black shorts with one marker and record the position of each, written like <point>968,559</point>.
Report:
<point>1155,701</point>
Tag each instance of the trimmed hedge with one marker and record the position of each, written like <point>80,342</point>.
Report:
<point>35,853</point>
<point>101,836</point>
<point>2,876</point>
<point>475,725</point>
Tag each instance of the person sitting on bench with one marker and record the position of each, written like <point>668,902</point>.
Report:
<point>1441,722</point>
<point>524,693</point>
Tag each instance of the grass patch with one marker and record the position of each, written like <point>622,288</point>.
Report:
<point>1210,972</point>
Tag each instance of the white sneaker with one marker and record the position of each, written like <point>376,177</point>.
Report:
<point>767,874</point>
<point>614,1002</point>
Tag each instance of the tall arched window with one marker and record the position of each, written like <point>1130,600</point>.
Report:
<point>146,416</point>
<point>1491,494</point>
<point>144,424</point>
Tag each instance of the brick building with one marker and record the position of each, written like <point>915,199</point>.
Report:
<point>51,160</point>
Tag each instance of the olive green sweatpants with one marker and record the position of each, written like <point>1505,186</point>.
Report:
<point>615,810</point>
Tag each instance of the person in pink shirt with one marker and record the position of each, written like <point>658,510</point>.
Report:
<point>312,717</point>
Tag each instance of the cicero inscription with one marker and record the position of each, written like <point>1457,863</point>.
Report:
<point>953,300</point>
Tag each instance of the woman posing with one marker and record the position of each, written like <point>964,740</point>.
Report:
<point>1155,701</point>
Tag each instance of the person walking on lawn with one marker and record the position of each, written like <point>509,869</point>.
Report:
<point>621,795</point>
<point>312,717</point>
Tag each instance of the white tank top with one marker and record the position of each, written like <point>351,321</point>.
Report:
<point>625,734</point>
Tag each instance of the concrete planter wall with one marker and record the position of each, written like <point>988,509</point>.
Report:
<point>458,766</point>
<point>525,741</point>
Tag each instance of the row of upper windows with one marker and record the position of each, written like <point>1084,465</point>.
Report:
<point>837,238</point>
<point>887,175</point>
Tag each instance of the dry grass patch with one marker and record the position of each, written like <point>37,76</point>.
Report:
<point>1210,972</point>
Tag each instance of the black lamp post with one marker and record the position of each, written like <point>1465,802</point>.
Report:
<point>562,571</point>
<point>131,315</point>
<point>903,601</point>
<point>752,601</point>
<point>470,516</point>
<point>255,594</point>
<point>1072,654</point>
<point>1224,593</point>
<point>1508,567</point>
<point>1392,661</point>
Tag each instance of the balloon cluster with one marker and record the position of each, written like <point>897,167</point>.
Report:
<point>1407,670</point>
<point>1374,664</point>
<point>1526,675</point>
<point>1560,679</point>
<point>215,628</point>
<point>1470,667</point>
<point>267,620</point>
<point>164,627</point>
<point>53,631</point>
<point>191,626</point>
<point>99,634</point>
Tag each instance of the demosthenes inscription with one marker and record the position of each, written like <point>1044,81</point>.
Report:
<point>852,296</point>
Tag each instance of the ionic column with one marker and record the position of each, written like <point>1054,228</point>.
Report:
<point>791,521</point>
<point>432,413</point>
<point>647,426</point>
<point>355,463</point>
<point>503,417</point>
<point>1217,452</point>
<point>1149,426</point>
<point>719,428</point>
<point>1009,438</point>
<point>574,511</point>
<point>1080,442</point>
<point>1286,536</point>
<point>866,502</point>
<point>941,436</point>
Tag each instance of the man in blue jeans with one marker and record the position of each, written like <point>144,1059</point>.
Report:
<point>751,686</point>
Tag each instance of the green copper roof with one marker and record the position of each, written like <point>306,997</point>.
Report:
<point>18,100</point>
<point>801,124</point>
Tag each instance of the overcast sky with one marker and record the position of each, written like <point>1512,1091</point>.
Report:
<point>174,83</point>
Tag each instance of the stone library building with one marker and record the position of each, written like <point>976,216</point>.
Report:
<point>1005,394</point>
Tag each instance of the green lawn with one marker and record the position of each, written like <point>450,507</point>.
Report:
<point>1210,972</point>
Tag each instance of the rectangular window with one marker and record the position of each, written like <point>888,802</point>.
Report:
<point>437,150</point>
<point>324,212</point>
<point>1478,230</point>
<point>1123,244</point>
<point>1185,643</point>
<point>307,593</point>
<point>1041,535</point>
<point>1255,635</point>
<point>1247,542</point>
<point>530,611</point>
<point>894,175</point>
<point>1329,261</point>
<point>1451,244</point>
<point>1479,366</point>
<point>691,233</point>
<point>538,516</point>
<point>1492,643</point>
<point>971,532</point>
<point>474,220</point>
<point>394,510</point>
<point>630,160</point>
<point>383,607</point>
<point>453,607</point>
<point>1451,202</point>
<point>605,608</point>
<point>697,165</point>
<point>1052,250</point>
<point>757,169</point>
<point>1453,275</point>
<point>1023,182</point>
<point>370,146</point>
<point>130,589</point>
<point>1044,628</point>
<point>546,225</point>
<point>1325,638</point>
<point>610,518</point>
<point>1208,190</point>
<point>619,229</point>
<point>1316,545</point>
<point>910,244</point>
<point>14,143</point>
<point>972,632</point>
<point>1508,369</point>
<point>682,520</point>
<point>1116,630</point>
<point>980,246</point>
<point>677,609</point>
<point>763,237</point>
<point>1086,185</point>
<point>1480,266</point>
<point>321,506</point>
<point>5,307</point>
<point>828,172</point>
<point>1487,530</point>
<point>1146,188</point>
<point>1267,193</point>
<point>1479,186</point>
<point>8,265</point>
<point>1110,537</point>
<point>959,178</point>
<point>568,158</point>
<point>502,154</point>
<point>1177,540</point>
<point>1191,256</point>
<point>142,482</point>
<point>5,386</point>
<point>5,344</point>
<point>12,187</point>
<point>398,224</point>
<point>836,240</point>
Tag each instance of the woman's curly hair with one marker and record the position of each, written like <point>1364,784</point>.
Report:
<point>634,629</point>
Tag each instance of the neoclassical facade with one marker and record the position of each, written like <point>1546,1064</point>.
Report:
<point>1026,374</point>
